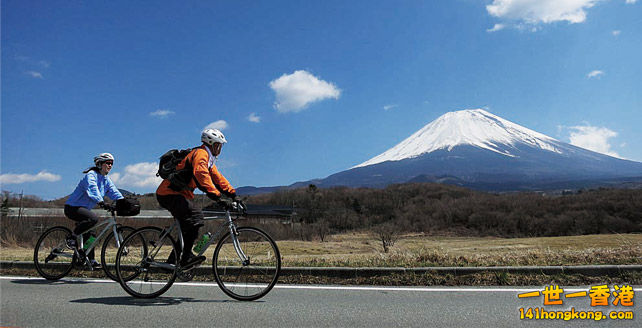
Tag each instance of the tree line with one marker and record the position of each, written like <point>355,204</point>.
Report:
<point>441,209</point>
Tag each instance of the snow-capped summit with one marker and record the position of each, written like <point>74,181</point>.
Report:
<point>476,149</point>
<point>472,127</point>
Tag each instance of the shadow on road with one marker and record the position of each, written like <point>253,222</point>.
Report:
<point>159,301</point>
<point>49,282</point>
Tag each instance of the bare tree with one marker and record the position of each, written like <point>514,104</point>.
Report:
<point>322,229</point>
<point>387,233</point>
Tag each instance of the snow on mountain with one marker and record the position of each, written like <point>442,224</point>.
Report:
<point>476,149</point>
<point>472,127</point>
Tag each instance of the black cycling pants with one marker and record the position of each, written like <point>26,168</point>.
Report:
<point>85,219</point>
<point>189,216</point>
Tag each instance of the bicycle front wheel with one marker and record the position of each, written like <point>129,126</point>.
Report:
<point>110,248</point>
<point>52,257</point>
<point>145,262</point>
<point>248,271</point>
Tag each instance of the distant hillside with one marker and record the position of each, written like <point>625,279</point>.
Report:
<point>444,209</point>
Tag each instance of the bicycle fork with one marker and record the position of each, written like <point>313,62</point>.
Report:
<point>237,246</point>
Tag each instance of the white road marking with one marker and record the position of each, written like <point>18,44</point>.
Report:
<point>353,288</point>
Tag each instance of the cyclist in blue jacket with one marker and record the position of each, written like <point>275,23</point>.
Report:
<point>89,192</point>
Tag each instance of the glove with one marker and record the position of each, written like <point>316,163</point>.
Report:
<point>222,202</point>
<point>106,206</point>
<point>225,203</point>
<point>241,204</point>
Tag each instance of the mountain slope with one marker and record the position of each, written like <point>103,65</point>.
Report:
<point>476,148</point>
<point>474,127</point>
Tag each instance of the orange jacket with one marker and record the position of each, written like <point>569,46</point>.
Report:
<point>207,180</point>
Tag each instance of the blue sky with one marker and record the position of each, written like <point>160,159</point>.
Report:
<point>301,89</point>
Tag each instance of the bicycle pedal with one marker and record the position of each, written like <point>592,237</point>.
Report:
<point>185,276</point>
<point>80,265</point>
<point>50,257</point>
<point>193,262</point>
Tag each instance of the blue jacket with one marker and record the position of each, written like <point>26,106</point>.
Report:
<point>91,190</point>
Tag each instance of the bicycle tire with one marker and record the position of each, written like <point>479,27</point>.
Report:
<point>110,250</point>
<point>143,277</point>
<point>52,245</point>
<point>247,281</point>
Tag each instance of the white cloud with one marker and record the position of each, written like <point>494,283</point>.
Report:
<point>616,32</point>
<point>114,176</point>
<point>22,178</point>
<point>254,118</point>
<point>389,107</point>
<point>496,28</point>
<point>137,175</point>
<point>533,12</point>
<point>32,62</point>
<point>595,74</point>
<point>631,1</point>
<point>593,138</point>
<point>296,91</point>
<point>35,75</point>
<point>219,125</point>
<point>162,113</point>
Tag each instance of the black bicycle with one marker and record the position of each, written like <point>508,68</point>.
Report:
<point>246,261</point>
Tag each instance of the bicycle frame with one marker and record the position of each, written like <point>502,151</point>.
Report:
<point>109,223</point>
<point>229,224</point>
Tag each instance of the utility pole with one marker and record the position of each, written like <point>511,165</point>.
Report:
<point>20,208</point>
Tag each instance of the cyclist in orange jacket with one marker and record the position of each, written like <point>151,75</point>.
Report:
<point>207,178</point>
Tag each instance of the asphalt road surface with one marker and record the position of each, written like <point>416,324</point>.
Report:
<point>35,302</point>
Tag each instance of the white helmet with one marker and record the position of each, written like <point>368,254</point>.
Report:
<point>212,136</point>
<point>103,158</point>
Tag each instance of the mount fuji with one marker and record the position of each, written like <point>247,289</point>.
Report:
<point>477,149</point>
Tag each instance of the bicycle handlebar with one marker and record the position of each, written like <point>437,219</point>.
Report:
<point>237,208</point>
<point>110,207</point>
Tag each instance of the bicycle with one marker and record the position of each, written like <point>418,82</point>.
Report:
<point>54,259</point>
<point>246,261</point>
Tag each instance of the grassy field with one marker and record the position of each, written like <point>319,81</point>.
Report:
<point>417,250</point>
<point>363,250</point>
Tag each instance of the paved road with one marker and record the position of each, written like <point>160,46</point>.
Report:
<point>34,302</point>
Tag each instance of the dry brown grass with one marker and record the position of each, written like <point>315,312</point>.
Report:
<point>417,250</point>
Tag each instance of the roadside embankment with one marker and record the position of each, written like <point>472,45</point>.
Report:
<point>426,276</point>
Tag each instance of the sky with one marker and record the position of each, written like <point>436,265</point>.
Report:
<point>301,89</point>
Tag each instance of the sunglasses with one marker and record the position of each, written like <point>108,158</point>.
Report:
<point>109,163</point>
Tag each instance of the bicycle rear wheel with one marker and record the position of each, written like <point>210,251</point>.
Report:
<point>250,279</point>
<point>110,248</point>
<point>52,257</point>
<point>142,263</point>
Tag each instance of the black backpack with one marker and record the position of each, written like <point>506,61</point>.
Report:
<point>179,179</point>
<point>128,206</point>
